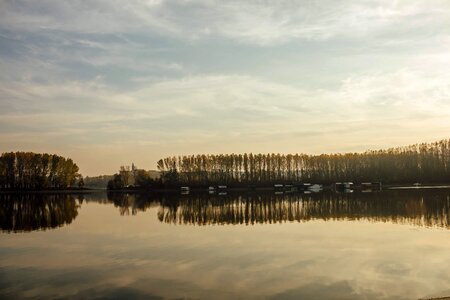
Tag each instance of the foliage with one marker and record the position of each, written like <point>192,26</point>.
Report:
<point>28,170</point>
<point>81,182</point>
<point>115,183</point>
<point>28,212</point>
<point>131,178</point>
<point>426,162</point>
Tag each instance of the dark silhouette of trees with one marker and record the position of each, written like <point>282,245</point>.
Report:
<point>133,178</point>
<point>425,207</point>
<point>29,212</point>
<point>81,182</point>
<point>426,162</point>
<point>143,179</point>
<point>28,170</point>
<point>116,183</point>
<point>428,208</point>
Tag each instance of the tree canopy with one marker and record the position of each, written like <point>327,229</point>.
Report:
<point>28,170</point>
<point>132,178</point>
<point>426,162</point>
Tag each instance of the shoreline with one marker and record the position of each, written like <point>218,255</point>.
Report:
<point>64,191</point>
<point>228,189</point>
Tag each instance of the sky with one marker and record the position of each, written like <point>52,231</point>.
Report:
<point>108,83</point>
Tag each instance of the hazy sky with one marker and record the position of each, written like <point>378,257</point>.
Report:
<point>114,82</point>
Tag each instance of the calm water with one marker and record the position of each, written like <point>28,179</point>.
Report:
<point>383,245</point>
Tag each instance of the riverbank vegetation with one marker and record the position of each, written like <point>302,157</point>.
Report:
<point>36,171</point>
<point>426,162</point>
<point>134,178</point>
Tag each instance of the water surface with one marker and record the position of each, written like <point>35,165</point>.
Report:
<point>381,245</point>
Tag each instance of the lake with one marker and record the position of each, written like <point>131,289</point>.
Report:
<point>378,245</point>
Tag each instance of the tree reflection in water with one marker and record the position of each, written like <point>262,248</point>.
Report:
<point>425,208</point>
<point>28,212</point>
<point>430,208</point>
<point>421,208</point>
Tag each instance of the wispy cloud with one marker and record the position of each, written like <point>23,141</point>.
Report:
<point>168,77</point>
<point>257,22</point>
<point>222,104</point>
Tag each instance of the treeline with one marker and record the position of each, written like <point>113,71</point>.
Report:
<point>28,170</point>
<point>426,162</point>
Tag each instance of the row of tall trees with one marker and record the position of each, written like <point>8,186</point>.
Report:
<point>28,170</point>
<point>426,162</point>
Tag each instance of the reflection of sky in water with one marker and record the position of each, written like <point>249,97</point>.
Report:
<point>104,255</point>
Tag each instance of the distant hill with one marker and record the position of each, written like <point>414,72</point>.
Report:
<point>97,182</point>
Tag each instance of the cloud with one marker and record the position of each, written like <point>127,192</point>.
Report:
<point>335,290</point>
<point>209,107</point>
<point>256,22</point>
<point>405,90</point>
<point>305,265</point>
<point>215,76</point>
